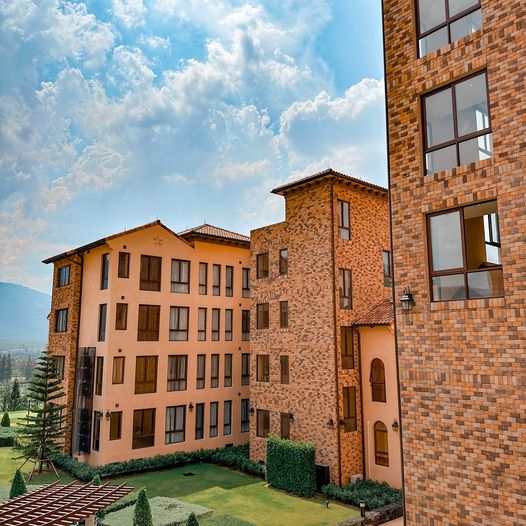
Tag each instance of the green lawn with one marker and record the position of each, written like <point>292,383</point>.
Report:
<point>16,416</point>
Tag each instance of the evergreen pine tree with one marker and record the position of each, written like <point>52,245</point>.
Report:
<point>15,402</point>
<point>40,434</point>
<point>6,421</point>
<point>5,396</point>
<point>3,364</point>
<point>8,367</point>
<point>18,486</point>
<point>142,515</point>
<point>192,520</point>
<point>28,369</point>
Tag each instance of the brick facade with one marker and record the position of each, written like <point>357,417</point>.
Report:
<point>462,363</point>
<point>312,339</point>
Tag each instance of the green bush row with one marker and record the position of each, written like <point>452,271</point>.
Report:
<point>7,436</point>
<point>291,466</point>
<point>374,494</point>
<point>235,457</point>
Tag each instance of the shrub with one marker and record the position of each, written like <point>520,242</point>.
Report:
<point>18,486</point>
<point>142,516</point>
<point>96,480</point>
<point>6,421</point>
<point>374,494</point>
<point>192,520</point>
<point>7,436</point>
<point>291,466</point>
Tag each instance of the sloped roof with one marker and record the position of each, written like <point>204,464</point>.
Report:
<point>281,190</point>
<point>380,314</point>
<point>208,232</point>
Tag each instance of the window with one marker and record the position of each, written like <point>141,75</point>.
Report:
<point>180,276</point>
<point>388,270</point>
<point>150,273</point>
<point>146,374</point>
<point>229,279</point>
<point>263,367</point>
<point>124,265</point>
<point>347,343</point>
<point>61,320</point>
<point>214,371</point>
<point>216,314</point>
<point>441,22</point>
<point>262,315</point>
<point>59,362</point>
<point>344,220</point>
<point>283,314</point>
<point>121,317</point>
<point>377,380</point>
<point>345,289</point>
<point>246,283</point>
<point>117,376</point>
<point>177,370</point>
<point>284,369</point>
<point>143,428</point>
<point>284,425</point>
<point>63,277</point>
<point>349,409</point>
<point>263,423</point>
<point>245,415</point>
<point>465,253</point>
<point>216,280</point>
<point>178,324</point>
<point>97,417</point>
<point>381,446</point>
<point>245,369</point>
<point>102,321</point>
<point>99,375</point>
<point>148,325</point>
<point>201,324</point>
<point>116,425</point>
<point>105,271</point>
<point>213,418</point>
<point>245,325</point>
<point>283,262</point>
<point>229,313</point>
<point>457,124</point>
<point>203,278</point>
<point>227,417</point>
<point>262,265</point>
<point>227,375</point>
<point>175,424</point>
<point>201,368</point>
<point>199,421</point>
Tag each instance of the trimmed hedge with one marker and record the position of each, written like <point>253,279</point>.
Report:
<point>374,494</point>
<point>291,466</point>
<point>235,457</point>
<point>7,436</point>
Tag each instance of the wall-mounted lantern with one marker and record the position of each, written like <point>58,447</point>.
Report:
<point>395,425</point>
<point>342,423</point>
<point>407,300</point>
<point>108,415</point>
<point>190,407</point>
<point>291,417</point>
<point>330,423</point>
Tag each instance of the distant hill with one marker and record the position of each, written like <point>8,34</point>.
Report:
<point>23,313</point>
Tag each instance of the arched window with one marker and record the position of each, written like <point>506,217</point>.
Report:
<point>378,380</point>
<point>381,446</point>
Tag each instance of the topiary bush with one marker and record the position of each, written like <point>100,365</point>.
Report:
<point>6,421</point>
<point>291,466</point>
<point>374,494</point>
<point>142,515</point>
<point>18,486</point>
<point>96,480</point>
<point>192,520</point>
<point>7,436</point>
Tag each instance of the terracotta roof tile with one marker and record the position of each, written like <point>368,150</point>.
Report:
<point>214,231</point>
<point>380,314</point>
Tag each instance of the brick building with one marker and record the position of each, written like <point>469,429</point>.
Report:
<point>313,275</point>
<point>455,79</point>
<point>150,330</point>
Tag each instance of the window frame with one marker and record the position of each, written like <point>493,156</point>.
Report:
<point>214,371</point>
<point>146,385</point>
<point>214,420</point>
<point>179,332</point>
<point>263,310</point>
<point>227,422</point>
<point>97,417</point>
<point>229,281</point>
<point>341,223</point>
<point>284,369</point>
<point>262,265</point>
<point>350,420</point>
<point>174,382</point>
<point>199,424</point>
<point>229,324</point>
<point>123,269</point>
<point>148,283</point>
<point>99,375</point>
<point>283,262</point>
<point>203,283</point>
<point>245,415</point>
<point>121,316</point>
<point>138,438</point>
<point>245,282</point>
<point>245,368</point>
<point>388,277</point>
<point>284,426</point>
<point>171,436</point>
<point>284,314</point>
<point>105,271</point>
<point>103,321</point>
<point>118,416</point>
<point>202,314</point>
<point>59,362</point>
<point>153,313</point>
<point>64,276</point>
<point>117,372</point>
<point>342,288</point>
<point>245,324</point>
<point>216,280</point>
<point>381,455</point>
<point>347,357</point>
<point>227,370</point>
<point>262,431</point>
<point>378,388</point>
<point>176,273</point>
<point>263,368</point>
<point>200,380</point>
<point>216,324</point>
<point>61,320</point>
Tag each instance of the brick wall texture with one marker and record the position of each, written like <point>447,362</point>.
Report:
<point>462,363</point>
<point>314,394</point>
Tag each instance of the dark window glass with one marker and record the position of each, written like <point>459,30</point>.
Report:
<point>347,343</point>
<point>229,280</point>
<point>216,280</point>
<point>344,220</point>
<point>245,369</point>
<point>148,325</point>
<point>116,425</point>
<point>201,371</point>
<point>349,409</point>
<point>97,417</point>
<point>381,445</point>
<point>63,278</point>
<point>284,369</point>
<point>283,262</point>
<point>151,273</point>
<point>227,417</point>
<point>117,376</point>
<point>345,289</point>
<point>201,324</point>
<point>61,320</point>
<point>105,271</point>
<point>228,371</point>
<point>262,265</point>
<point>102,321</point>
<point>246,283</point>
<point>121,317</point>
<point>203,278</point>
<point>175,424</point>
<point>262,316</point>
<point>245,325</point>
<point>465,253</point>
<point>377,380</point>
<point>245,415</point>
<point>124,265</point>
<point>59,362</point>
<point>146,374</point>
<point>458,129</point>
<point>284,424</point>
<point>143,428</point>
<point>283,314</point>
<point>179,323</point>
<point>263,368</point>
<point>177,370</point>
<point>180,276</point>
<point>216,315</point>
<point>214,371</point>
<point>388,270</point>
<point>229,314</point>
<point>99,375</point>
<point>213,418</point>
<point>263,423</point>
<point>199,421</point>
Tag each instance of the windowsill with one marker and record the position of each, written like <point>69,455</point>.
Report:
<point>478,303</point>
<point>458,170</point>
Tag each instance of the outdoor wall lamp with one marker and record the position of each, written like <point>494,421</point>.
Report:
<point>342,423</point>
<point>395,425</point>
<point>407,300</point>
<point>330,423</point>
<point>251,410</point>
<point>191,407</point>
<point>108,415</point>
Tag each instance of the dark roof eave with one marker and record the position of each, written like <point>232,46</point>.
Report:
<point>205,238</point>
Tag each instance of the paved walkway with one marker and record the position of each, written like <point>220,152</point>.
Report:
<point>396,522</point>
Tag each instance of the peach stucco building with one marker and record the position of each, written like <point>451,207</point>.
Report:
<point>151,330</point>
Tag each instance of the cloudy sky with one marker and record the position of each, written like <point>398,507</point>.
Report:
<point>116,112</point>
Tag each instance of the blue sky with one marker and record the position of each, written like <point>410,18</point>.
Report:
<point>114,113</point>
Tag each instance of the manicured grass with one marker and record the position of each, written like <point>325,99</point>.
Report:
<point>17,416</point>
<point>8,466</point>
